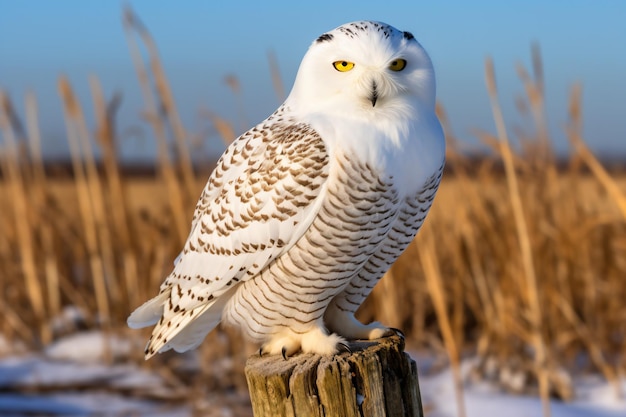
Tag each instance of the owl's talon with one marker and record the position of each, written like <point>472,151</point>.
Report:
<point>284,352</point>
<point>261,352</point>
<point>343,347</point>
<point>397,332</point>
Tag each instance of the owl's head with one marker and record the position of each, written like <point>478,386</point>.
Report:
<point>364,69</point>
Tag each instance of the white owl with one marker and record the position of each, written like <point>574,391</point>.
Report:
<point>306,211</point>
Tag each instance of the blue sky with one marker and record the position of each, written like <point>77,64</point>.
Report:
<point>202,42</point>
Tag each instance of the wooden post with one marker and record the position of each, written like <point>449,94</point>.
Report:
<point>377,379</point>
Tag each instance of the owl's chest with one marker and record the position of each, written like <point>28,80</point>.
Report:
<point>381,190</point>
<point>403,158</point>
<point>359,197</point>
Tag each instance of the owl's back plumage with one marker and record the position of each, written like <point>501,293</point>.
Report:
<point>305,212</point>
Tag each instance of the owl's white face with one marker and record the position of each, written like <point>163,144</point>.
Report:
<point>364,69</point>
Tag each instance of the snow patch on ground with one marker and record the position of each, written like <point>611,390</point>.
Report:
<point>82,375</point>
<point>35,384</point>
<point>84,404</point>
<point>91,347</point>
<point>594,397</point>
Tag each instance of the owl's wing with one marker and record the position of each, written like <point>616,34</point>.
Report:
<point>261,198</point>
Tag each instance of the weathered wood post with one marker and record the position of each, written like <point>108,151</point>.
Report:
<point>377,379</point>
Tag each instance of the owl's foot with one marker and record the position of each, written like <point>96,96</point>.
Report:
<point>320,342</point>
<point>316,341</point>
<point>286,343</point>
<point>396,332</point>
<point>382,331</point>
<point>345,324</point>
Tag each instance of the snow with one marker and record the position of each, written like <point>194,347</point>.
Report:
<point>594,397</point>
<point>91,347</point>
<point>81,404</point>
<point>61,387</point>
<point>71,378</point>
<point>82,374</point>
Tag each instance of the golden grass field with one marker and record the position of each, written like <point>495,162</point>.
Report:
<point>521,261</point>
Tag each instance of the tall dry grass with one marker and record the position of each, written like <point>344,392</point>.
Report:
<point>522,259</point>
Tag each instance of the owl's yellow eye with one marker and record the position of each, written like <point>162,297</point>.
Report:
<point>343,66</point>
<point>397,64</point>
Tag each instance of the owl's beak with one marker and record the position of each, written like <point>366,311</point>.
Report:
<point>374,95</point>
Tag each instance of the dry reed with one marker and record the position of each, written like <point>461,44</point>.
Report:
<point>154,115</point>
<point>19,197</point>
<point>530,282</point>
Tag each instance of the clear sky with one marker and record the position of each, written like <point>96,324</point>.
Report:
<point>203,41</point>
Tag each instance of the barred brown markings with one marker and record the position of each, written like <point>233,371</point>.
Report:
<point>321,218</point>
<point>251,317</point>
<point>316,245</point>
<point>386,251</point>
<point>283,315</point>
<point>286,211</point>
<point>284,267</point>
<point>342,309</point>
<point>260,333</point>
<point>258,303</point>
<point>357,304</point>
<point>339,211</point>
<point>280,314</point>
<point>205,228</point>
<point>320,265</point>
<point>349,289</point>
<point>324,287</point>
<point>286,271</point>
<point>221,231</point>
<point>416,205</point>
<point>345,273</point>
<point>327,233</point>
<point>294,303</point>
<point>409,233</point>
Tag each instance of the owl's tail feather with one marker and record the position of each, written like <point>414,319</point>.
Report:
<point>183,332</point>
<point>148,313</point>
<point>194,333</point>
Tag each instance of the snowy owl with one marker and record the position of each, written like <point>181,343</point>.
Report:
<point>306,211</point>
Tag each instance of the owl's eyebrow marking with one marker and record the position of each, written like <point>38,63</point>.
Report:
<point>325,37</point>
